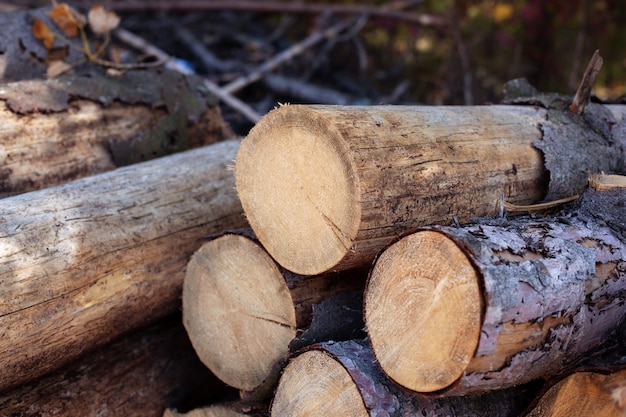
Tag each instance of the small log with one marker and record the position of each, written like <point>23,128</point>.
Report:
<point>244,313</point>
<point>326,187</point>
<point>59,130</point>
<point>497,303</point>
<point>342,379</point>
<point>137,375</point>
<point>584,394</point>
<point>86,261</point>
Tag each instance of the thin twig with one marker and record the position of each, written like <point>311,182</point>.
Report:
<point>141,44</point>
<point>394,11</point>
<point>583,95</point>
<point>283,57</point>
<point>210,60</point>
<point>537,207</point>
<point>278,83</point>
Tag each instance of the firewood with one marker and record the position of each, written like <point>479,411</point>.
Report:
<point>137,375</point>
<point>342,379</point>
<point>584,394</point>
<point>86,261</point>
<point>244,313</point>
<point>457,310</point>
<point>326,187</point>
<point>59,130</point>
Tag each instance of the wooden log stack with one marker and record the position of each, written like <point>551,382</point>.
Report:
<point>91,252</point>
<point>482,309</point>
<point>351,213</point>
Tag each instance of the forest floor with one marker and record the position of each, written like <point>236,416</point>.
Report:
<point>259,54</point>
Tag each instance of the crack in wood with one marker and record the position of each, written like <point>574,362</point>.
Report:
<point>286,325</point>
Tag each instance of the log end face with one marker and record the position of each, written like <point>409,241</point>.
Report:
<point>237,310</point>
<point>315,384</point>
<point>299,189</point>
<point>423,311</point>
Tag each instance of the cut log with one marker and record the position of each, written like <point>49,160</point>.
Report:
<point>584,394</point>
<point>244,313</point>
<point>138,375</point>
<point>86,261</point>
<point>342,379</point>
<point>58,130</point>
<point>326,187</point>
<point>494,304</point>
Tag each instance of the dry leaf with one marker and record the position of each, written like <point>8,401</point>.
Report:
<point>67,19</point>
<point>56,68</point>
<point>101,20</point>
<point>42,31</point>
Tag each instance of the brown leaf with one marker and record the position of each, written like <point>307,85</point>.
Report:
<point>56,68</point>
<point>101,20</point>
<point>42,31</point>
<point>67,19</point>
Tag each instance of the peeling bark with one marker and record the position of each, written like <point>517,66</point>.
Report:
<point>549,289</point>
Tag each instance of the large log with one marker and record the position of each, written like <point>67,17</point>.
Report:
<point>138,375</point>
<point>326,187</point>
<point>58,130</point>
<point>342,379</point>
<point>457,310</point>
<point>244,313</point>
<point>86,261</point>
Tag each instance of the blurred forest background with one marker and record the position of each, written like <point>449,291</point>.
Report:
<point>394,52</point>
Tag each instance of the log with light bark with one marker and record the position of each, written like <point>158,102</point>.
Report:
<point>326,187</point>
<point>598,394</point>
<point>138,375</point>
<point>62,129</point>
<point>342,379</point>
<point>244,313</point>
<point>457,310</point>
<point>86,261</point>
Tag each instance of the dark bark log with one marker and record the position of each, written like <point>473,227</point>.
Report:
<point>62,129</point>
<point>342,379</point>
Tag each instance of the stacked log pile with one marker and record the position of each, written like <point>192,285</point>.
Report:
<point>365,284</point>
<point>91,252</point>
<point>464,314</point>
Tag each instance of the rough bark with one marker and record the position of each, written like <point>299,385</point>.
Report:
<point>58,130</point>
<point>457,310</point>
<point>584,394</point>
<point>342,379</point>
<point>85,261</point>
<point>326,187</point>
<point>244,313</point>
<point>137,375</point>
